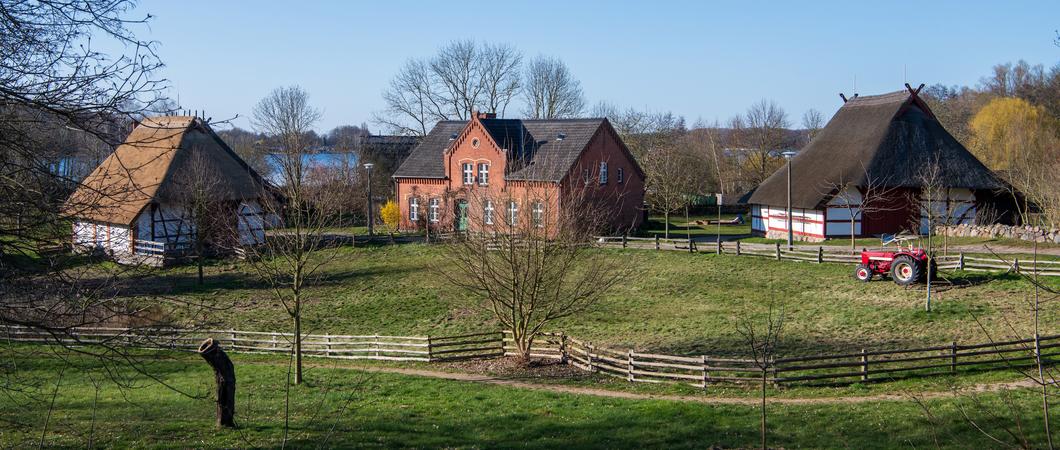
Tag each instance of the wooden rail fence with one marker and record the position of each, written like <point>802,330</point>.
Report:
<point>840,368</point>
<point>824,254</point>
<point>374,347</point>
<point>701,371</point>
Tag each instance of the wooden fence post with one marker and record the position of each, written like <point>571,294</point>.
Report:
<point>1016,265</point>
<point>375,345</point>
<point>563,359</point>
<point>719,245</point>
<point>778,251</point>
<point>327,345</point>
<point>629,369</point>
<point>706,375</point>
<point>953,357</point>
<point>623,240</point>
<point>864,365</point>
<point>589,355</point>
<point>275,343</point>
<point>820,254</point>
<point>430,347</point>
<point>960,261</point>
<point>737,248</point>
<point>656,242</point>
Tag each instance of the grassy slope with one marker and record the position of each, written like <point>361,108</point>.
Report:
<point>354,409</point>
<point>677,302</point>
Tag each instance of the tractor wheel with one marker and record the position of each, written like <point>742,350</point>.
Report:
<point>905,270</point>
<point>863,273</point>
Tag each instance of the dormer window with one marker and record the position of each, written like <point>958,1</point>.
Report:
<point>483,174</point>
<point>469,173</point>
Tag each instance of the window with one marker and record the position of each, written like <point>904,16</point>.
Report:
<point>538,214</point>
<point>414,209</point>
<point>432,213</point>
<point>603,172</point>
<point>469,173</point>
<point>483,174</point>
<point>488,212</point>
<point>513,213</point>
<point>621,175</point>
<point>586,175</point>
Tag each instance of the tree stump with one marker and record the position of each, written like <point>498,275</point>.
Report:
<point>225,375</point>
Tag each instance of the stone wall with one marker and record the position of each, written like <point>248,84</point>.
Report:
<point>1025,233</point>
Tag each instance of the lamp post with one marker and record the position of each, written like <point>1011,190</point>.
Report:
<point>788,155</point>
<point>371,206</point>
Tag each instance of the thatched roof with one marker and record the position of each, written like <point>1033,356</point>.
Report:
<point>150,166</point>
<point>883,140</point>
<point>535,151</point>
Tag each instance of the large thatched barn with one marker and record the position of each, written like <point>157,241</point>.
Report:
<point>134,205</point>
<point>880,152</point>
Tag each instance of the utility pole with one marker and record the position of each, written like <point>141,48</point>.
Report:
<point>371,202</point>
<point>788,155</point>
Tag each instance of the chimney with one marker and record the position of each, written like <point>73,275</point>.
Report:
<point>483,115</point>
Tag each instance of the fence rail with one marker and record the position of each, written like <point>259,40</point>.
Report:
<point>826,254</point>
<point>701,370</point>
<point>841,368</point>
<point>374,347</point>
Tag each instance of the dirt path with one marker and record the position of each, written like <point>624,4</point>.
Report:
<point>746,401</point>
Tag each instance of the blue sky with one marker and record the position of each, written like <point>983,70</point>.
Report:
<point>705,60</point>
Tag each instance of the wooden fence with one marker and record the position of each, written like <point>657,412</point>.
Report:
<point>841,368</point>
<point>374,347</point>
<point>825,254</point>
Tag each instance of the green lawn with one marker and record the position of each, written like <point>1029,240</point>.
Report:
<point>348,408</point>
<point>676,302</point>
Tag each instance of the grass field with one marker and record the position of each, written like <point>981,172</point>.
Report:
<point>348,408</point>
<point>676,302</point>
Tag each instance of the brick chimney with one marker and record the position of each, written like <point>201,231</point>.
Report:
<point>482,115</point>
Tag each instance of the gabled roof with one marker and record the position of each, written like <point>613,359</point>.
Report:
<point>144,169</point>
<point>535,151</point>
<point>881,139</point>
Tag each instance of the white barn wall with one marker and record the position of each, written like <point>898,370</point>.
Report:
<point>772,221</point>
<point>109,238</point>
<point>839,210</point>
<point>958,208</point>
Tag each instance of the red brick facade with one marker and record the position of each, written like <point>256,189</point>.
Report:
<point>621,188</point>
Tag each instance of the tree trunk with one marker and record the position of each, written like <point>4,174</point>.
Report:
<point>298,348</point>
<point>666,218</point>
<point>225,376</point>
<point>199,263</point>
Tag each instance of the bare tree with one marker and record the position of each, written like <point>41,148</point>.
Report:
<point>763,346</point>
<point>766,128</point>
<point>674,175</point>
<point>528,259</point>
<point>203,197</point>
<point>463,77</point>
<point>551,92</point>
<point>812,122</point>
<point>289,261</point>
<point>860,199</point>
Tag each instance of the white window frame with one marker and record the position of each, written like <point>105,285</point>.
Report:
<point>603,172</point>
<point>538,214</point>
<point>483,174</point>
<point>513,213</point>
<point>433,205</point>
<point>469,173</point>
<point>487,213</point>
<point>621,176</point>
<point>414,209</point>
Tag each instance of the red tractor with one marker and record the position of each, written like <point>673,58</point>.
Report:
<point>905,265</point>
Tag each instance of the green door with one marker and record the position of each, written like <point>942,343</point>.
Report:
<point>461,215</point>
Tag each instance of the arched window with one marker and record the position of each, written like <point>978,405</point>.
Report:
<point>488,212</point>
<point>432,213</point>
<point>414,209</point>
<point>513,213</point>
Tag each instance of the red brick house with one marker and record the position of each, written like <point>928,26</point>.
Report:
<point>520,168</point>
